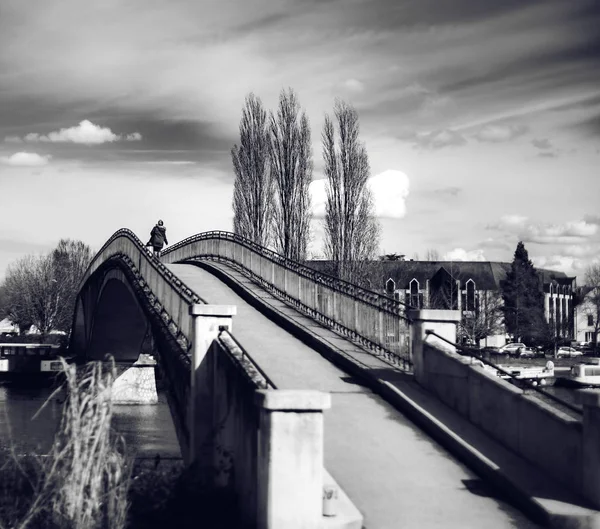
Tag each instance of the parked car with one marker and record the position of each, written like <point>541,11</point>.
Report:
<point>568,352</point>
<point>530,352</point>
<point>512,349</point>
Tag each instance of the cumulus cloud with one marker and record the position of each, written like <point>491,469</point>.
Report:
<point>570,232</point>
<point>562,263</point>
<point>460,254</point>
<point>499,133</point>
<point>86,133</point>
<point>439,139</point>
<point>390,190</point>
<point>26,159</point>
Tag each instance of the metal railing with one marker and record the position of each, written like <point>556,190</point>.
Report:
<point>241,356</point>
<point>526,383</point>
<point>163,286</point>
<point>373,319</point>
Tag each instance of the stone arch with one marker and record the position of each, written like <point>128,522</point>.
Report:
<point>109,318</point>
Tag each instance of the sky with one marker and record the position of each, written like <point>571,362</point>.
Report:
<point>481,119</point>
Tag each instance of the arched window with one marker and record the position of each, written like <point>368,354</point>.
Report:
<point>414,294</point>
<point>470,298</point>
<point>551,288</point>
<point>390,286</point>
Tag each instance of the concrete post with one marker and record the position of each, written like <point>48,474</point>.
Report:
<point>591,440</point>
<point>443,322</point>
<point>290,458</point>
<point>206,322</point>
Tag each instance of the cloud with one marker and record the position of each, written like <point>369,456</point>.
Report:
<point>562,263</point>
<point>592,219</point>
<point>499,133</point>
<point>26,159</point>
<point>389,188</point>
<point>450,190</point>
<point>494,244</point>
<point>543,144</point>
<point>570,232</point>
<point>354,85</point>
<point>460,254</point>
<point>86,133</point>
<point>13,139</point>
<point>438,139</point>
<point>546,148</point>
<point>513,220</point>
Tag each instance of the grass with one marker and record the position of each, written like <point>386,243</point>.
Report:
<point>88,481</point>
<point>84,481</point>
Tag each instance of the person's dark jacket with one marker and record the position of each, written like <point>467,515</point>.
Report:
<point>158,236</point>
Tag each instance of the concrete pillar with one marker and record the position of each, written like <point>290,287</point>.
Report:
<point>206,322</point>
<point>443,322</point>
<point>590,456</point>
<point>290,458</point>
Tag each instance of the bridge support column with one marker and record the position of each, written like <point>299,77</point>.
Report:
<point>290,458</point>
<point>207,319</point>
<point>442,322</point>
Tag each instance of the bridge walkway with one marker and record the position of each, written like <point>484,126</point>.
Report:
<point>396,475</point>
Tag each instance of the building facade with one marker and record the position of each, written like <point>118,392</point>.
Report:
<point>587,324</point>
<point>473,288</point>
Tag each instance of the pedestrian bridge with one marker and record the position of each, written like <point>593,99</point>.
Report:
<point>286,382</point>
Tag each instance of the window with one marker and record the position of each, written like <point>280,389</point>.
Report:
<point>590,320</point>
<point>414,294</point>
<point>470,298</point>
<point>390,286</point>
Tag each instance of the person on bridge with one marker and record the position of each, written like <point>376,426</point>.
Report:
<point>158,238</point>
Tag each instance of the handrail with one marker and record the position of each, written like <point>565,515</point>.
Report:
<point>365,295</point>
<point>245,354</point>
<point>504,372</point>
<point>167,275</point>
<point>377,322</point>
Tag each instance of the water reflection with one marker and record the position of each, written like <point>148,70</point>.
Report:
<point>148,430</point>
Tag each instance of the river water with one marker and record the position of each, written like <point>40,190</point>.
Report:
<point>148,429</point>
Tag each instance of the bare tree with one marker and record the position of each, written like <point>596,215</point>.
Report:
<point>351,228</point>
<point>485,320</point>
<point>291,171</point>
<point>70,260</point>
<point>432,255</point>
<point>41,290</point>
<point>252,188</point>
<point>31,293</point>
<point>591,304</point>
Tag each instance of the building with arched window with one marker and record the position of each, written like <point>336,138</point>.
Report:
<point>472,287</point>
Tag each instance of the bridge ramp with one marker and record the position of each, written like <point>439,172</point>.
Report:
<point>395,474</point>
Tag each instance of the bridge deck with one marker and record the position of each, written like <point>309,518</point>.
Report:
<point>395,474</point>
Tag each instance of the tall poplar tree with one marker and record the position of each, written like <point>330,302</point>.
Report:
<point>523,298</point>
<point>291,170</point>
<point>253,187</point>
<point>351,228</point>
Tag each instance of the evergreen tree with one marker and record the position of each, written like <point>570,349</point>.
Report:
<point>524,300</point>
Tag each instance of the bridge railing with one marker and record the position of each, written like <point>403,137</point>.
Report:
<point>373,319</point>
<point>167,289</point>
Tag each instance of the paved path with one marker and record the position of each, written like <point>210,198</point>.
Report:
<point>396,476</point>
